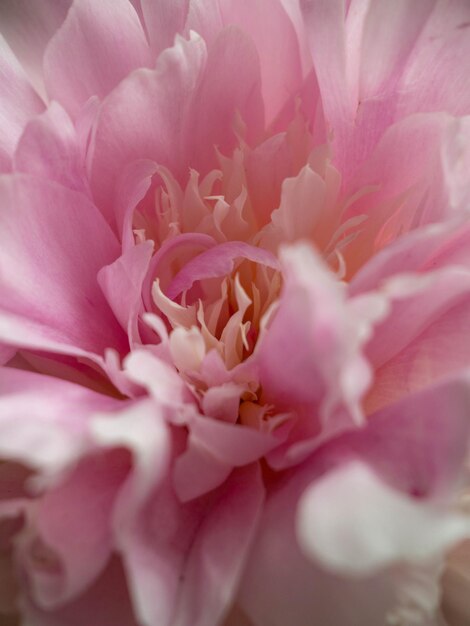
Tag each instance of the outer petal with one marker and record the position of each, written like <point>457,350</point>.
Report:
<point>281,72</point>
<point>28,25</point>
<point>364,92</point>
<point>18,103</point>
<point>48,282</point>
<point>428,248</point>
<point>424,440</point>
<point>108,43</point>
<point>281,586</point>
<point>417,301</point>
<point>440,350</point>
<point>72,541</point>
<point>106,603</point>
<point>354,523</point>
<point>163,20</point>
<point>49,148</point>
<point>185,564</point>
<point>43,419</point>
<point>218,552</point>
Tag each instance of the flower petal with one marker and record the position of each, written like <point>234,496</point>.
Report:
<point>108,43</point>
<point>37,426</point>
<point>49,148</point>
<point>48,283</point>
<point>352,522</point>
<point>18,103</point>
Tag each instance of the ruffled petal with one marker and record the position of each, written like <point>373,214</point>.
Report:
<point>183,134</point>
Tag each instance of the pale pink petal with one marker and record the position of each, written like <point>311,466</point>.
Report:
<point>53,242</point>
<point>121,283</point>
<point>456,161</point>
<point>434,78</point>
<point>213,449</point>
<point>158,377</point>
<point>198,472</point>
<point>18,103</point>
<point>352,522</point>
<point>364,92</point>
<point>49,148</point>
<point>281,586</point>
<point>417,448</point>
<point>108,43</point>
<point>309,356</point>
<point>38,428</point>
<point>219,101</point>
<point>134,184</point>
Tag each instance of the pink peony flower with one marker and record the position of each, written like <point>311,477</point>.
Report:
<point>234,310</point>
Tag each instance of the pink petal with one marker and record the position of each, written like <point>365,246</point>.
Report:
<point>18,103</point>
<point>49,148</point>
<point>281,73</point>
<point>49,285</point>
<point>418,448</point>
<point>163,20</point>
<point>28,26</point>
<point>108,43</point>
<point>217,556</point>
<point>353,523</point>
<point>416,71</point>
<point>122,135</point>
<point>121,283</point>
<point>185,564</point>
<point>309,358</point>
<point>214,448</point>
<point>440,351</point>
<point>416,302</point>
<point>216,262</point>
<point>37,426</point>
<point>280,585</point>
<point>417,445</point>
<point>72,524</point>
<point>431,247</point>
<point>204,104</point>
<point>158,377</point>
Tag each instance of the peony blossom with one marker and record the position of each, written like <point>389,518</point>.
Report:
<point>234,312</point>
